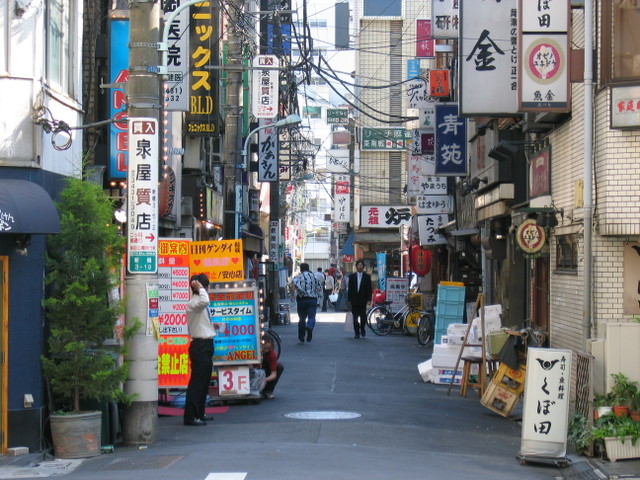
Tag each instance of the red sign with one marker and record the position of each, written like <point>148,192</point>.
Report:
<point>439,85</point>
<point>425,44</point>
<point>539,173</point>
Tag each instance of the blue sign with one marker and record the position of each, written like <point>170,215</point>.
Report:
<point>413,68</point>
<point>451,142</point>
<point>119,73</point>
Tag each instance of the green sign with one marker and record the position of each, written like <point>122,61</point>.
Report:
<point>337,116</point>
<point>142,262</point>
<point>391,138</point>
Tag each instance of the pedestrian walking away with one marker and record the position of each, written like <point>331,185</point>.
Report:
<point>307,296</point>
<point>329,288</point>
<point>320,278</point>
<point>201,332</point>
<point>359,295</point>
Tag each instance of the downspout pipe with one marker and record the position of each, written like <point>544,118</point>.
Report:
<point>588,171</point>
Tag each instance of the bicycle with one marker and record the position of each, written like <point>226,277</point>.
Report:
<point>426,328</point>
<point>267,332</point>
<point>381,320</point>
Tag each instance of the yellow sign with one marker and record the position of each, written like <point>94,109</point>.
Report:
<point>220,260</point>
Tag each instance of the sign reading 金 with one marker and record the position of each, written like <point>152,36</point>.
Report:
<point>142,192</point>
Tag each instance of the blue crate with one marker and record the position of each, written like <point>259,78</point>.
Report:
<point>450,294</point>
<point>443,321</point>
<point>450,309</point>
<point>439,334</point>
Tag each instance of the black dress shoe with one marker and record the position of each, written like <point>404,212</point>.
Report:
<point>363,333</point>
<point>309,334</point>
<point>196,422</point>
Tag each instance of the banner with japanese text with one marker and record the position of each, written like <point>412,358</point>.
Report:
<point>342,199</point>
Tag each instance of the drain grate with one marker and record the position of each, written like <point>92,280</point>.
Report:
<point>143,463</point>
<point>580,471</point>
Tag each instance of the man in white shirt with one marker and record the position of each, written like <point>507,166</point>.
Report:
<point>306,289</point>
<point>201,332</point>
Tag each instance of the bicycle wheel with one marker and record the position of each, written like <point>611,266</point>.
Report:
<point>425,329</point>
<point>378,321</point>
<point>274,337</point>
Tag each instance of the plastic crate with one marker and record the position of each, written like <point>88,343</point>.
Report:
<point>443,321</point>
<point>509,379</point>
<point>449,309</point>
<point>450,294</point>
<point>439,333</point>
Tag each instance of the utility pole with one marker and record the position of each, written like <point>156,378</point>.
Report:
<point>232,124</point>
<point>143,98</point>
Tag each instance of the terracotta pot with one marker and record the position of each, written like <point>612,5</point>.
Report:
<point>621,411</point>
<point>635,416</point>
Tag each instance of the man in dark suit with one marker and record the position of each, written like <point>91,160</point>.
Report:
<point>359,295</point>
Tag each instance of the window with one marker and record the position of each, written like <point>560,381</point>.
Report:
<point>60,38</point>
<point>566,254</point>
<point>620,41</point>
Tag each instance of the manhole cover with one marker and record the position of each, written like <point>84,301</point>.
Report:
<point>143,463</point>
<point>323,415</point>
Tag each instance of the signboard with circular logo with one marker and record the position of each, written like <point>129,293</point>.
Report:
<point>530,236</point>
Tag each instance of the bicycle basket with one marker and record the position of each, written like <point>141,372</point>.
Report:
<point>415,300</point>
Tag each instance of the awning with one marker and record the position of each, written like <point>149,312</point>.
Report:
<point>378,237</point>
<point>348,246</point>
<point>26,207</point>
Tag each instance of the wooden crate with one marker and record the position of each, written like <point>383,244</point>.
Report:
<point>499,399</point>
<point>510,379</point>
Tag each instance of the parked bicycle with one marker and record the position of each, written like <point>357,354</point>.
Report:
<point>267,332</point>
<point>426,328</point>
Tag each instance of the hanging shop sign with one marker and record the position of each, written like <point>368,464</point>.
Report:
<point>265,86</point>
<point>530,237</point>
<point>488,58</point>
<point>425,44</point>
<point>383,216</point>
<point>439,84</point>
<point>337,116</point>
<point>446,19</point>
<point>451,142</point>
<point>342,200</point>
<point>545,416</point>
<point>175,82</point>
<point>544,82</point>
<point>385,139</point>
<point>118,75</point>
<point>220,260</point>
<point>625,107</point>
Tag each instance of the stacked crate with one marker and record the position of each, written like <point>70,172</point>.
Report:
<point>449,307</point>
<point>504,390</point>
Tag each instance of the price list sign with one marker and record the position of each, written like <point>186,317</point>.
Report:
<point>234,313</point>
<point>173,295</point>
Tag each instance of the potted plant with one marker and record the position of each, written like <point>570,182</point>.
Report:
<point>635,407</point>
<point>602,405</point>
<point>622,392</point>
<point>83,361</point>
<point>619,434</point>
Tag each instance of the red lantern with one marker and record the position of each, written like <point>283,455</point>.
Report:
<point>420,260</point>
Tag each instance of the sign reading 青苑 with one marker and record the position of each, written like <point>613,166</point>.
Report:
<point>234,313</point>
<point>451,142</point>
<point>545,415</point>
<point>220,260</point>
<point>384,216</point>
<point>142,196</point>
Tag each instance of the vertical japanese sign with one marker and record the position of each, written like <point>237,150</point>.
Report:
<point>142,196</point>
<point>267,153</point>
<point>274,241</point>
<point>451,142</point>
<point>119,73</point>
<point>176,86</point>
<point>446,18</point>
<point>265,86</point>
<point>203,82</point>
<point>173,296</point>
<point>374,216</point>
<point>342,199</point>
<point>234,313</point>
<point>427,227</point>
<point>439,85</point>
<point>488,57</point>
<point>413,68</point>
<point>545,414</point>
<point>425,44</point>
<point>544,56</point>
<point>381,266</point>
<point>220,260</point>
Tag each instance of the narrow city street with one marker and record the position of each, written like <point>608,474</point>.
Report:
<point>344,409</point>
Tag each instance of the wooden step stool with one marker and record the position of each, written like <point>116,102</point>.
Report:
<point>466,382</point>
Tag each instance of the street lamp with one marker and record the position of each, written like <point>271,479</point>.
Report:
<point>288,120</point>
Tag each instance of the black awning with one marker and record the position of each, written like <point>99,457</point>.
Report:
<point>26,207</point>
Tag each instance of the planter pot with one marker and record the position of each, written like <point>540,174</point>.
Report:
<point>617,450</point>
<point>76,435</point>
<point>600,411</point>
<point>621,411</point>
<point>635,416</point>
